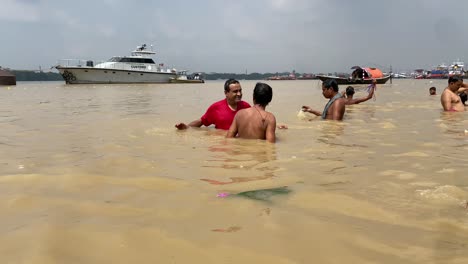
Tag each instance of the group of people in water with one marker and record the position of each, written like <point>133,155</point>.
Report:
<point>237,116</point>
<point>242,120</point>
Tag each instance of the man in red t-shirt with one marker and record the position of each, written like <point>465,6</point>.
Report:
<point>222,112</point>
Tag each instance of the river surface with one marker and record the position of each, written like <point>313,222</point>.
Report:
<point>99,174</point>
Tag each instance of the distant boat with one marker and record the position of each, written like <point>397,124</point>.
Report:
<point>456,68</point>
<point>291,76</point>
<point>307,77</point>
<point>359,76</point>
<point>439,72</point>
<point>7,78</point>
<point>183,77</point>
<point>139,67</point>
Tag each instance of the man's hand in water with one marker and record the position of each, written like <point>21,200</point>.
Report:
<point>181,126</point>
<point>305,108</point>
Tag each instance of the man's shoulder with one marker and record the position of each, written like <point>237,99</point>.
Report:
<point>447,93</point>
<point>245,111</point>
<point>341,101</point>
<point>244,104</point>
<point>218,103</point>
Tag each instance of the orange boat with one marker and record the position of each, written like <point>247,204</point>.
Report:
<point>359,76</point>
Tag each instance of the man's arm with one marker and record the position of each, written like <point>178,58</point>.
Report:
<point>194,123</point>
<point>338,109</point>
<point>446,101</point>
<point>363,99</point>
<point>461,90</point>
<point>310,110</point>
<point>232,132</point>
<point>270,135</point>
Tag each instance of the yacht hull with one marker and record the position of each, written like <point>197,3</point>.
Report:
<point>92,75</point>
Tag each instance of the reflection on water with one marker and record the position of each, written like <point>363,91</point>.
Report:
<point>86,169</point>
<point>265,194</point>
<point>249,160</point>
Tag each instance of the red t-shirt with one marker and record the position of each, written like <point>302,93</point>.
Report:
<point>221,115</point>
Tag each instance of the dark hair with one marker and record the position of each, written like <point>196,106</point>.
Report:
<point>455,78</point>
<point>262,94</point>
<point>349,90</point>
<point>229,82</point>
<point>331,83</point>
<point>432,88</point>
<point>463,97</point>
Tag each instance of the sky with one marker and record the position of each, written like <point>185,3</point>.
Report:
<point>265,36</point>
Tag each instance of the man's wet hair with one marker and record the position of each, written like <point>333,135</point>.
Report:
<point>455,78</point>
<point>330,83</point>
<point>229,82</point>
<point>349,90</point>
<point>262,94</point>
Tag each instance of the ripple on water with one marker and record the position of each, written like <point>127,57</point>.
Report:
<point>402,175</point>
<point>411,154</point>
<point>387,125</point>
<point>444,194</point>
<point>445,170</point>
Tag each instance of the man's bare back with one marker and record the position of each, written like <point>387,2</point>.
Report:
<point>254,123</point>
<point>336,110</point>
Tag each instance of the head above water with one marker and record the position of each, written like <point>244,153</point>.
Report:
<point>233,92</point>
<point>349,91</point>
<point>262,94</point>
<point>432,90</point>
<point>228,83</point>
<point>454,79</point>
<point>330,83</point>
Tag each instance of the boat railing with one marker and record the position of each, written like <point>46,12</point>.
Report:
<point>77,63</point>
<point>117,66</point>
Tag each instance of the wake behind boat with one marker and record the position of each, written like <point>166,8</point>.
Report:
<point>139,67</point>
<point>359,76</point>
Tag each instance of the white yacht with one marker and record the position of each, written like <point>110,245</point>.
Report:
<point>456,68</point>
<point>139,67</point>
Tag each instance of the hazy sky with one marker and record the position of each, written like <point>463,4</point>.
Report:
<point>238,36</point>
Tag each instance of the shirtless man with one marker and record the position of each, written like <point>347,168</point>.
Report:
<point>450,99</point>
<point>335,108</point>
<point>350,93</point>
<point>255,122</point>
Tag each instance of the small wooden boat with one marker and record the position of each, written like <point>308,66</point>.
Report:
<point>350,81</point>
<point>359,76</point>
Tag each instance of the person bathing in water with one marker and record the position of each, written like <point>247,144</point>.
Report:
<point>349,93</point>
<point>335,108</point>
<point>450,100</point>
<point>255,122</point>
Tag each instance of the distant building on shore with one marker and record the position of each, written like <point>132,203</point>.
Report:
<point>6,77</point>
